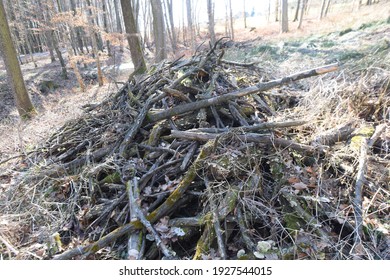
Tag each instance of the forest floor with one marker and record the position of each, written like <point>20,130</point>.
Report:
<point>65,102</point>
<point>357,41</point>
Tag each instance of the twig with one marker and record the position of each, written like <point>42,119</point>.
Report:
<point>130,134</point>
<point>185,183</point>
<point>9,246</point>
<point>217,225</point>
<point>250,245</point>
<point>189,156</point>
<point>378,131</point>
<point>168,253</point>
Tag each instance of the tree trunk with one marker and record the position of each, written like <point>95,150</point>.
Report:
<point>190,24</point>
<point>297,11</point>
<point>327,9</point>
<point>96,34</point>
<point>284,16</point>
<point>231,20</point>
<point>210,13</point>
<point>105,25</point>
<point>118,23</point>
<point>277,10</point>
<point>269,11</point>
<point>244,14</point>
<point>172,24</point>
<point>322,9</point>
<point>78,30</point>
<point>59,55</point>
<point>22,99</point>
<point>303,7</point>
<point>158,30</point>
<point>133,39</point>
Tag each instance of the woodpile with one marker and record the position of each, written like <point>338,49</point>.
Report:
<point>189,162</point>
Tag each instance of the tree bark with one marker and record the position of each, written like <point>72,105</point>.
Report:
<point>137,55</point>
<point>172,24</point>
<point>105,24</point>
<point>297,11</point>
<point>303,7</point>
<point>190,24</point>
<point>284,16</point>
<point>231,20</point>
<point>210,13</point>
<point>322,9</point>
<point>244,14</point>
<point>22,99</point>
<point>158,30</point>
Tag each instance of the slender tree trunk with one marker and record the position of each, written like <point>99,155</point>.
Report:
<point>133,39</point>
<point>269,11</point>
<point>277,10</point>
<point>78,30</point>
<point>284,16</point>
<point>190,24</point>
<point>244,14</point>
<point>118,23</point>
<point>97,36</point>
<point>327,8</point>
<point>172,24</point>
<point>59,55</point>
<point>105,24</point>
<point>297,11</point>
<point>22,99</point>
<point>307,7</point>
<point>158,30</point>
<point>322,9</point>
<point>303,7</point>
<point>231,20</point>
<point>210,13</point>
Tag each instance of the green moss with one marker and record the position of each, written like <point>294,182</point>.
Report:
<point>293,222</point>
<point>350,55</point>
<point>47,86</point>
<point>345,31</point>
<point>367,25</point>
<point>113,178</point>
<point>327,43</point>
<point>360,135</point>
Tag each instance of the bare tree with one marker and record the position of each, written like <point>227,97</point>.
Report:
<point>22,99</point>
<point>137,55</point>
<point>284,24</point>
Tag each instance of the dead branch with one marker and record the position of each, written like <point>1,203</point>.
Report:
<point>357,202</point>
<point>178,110</point>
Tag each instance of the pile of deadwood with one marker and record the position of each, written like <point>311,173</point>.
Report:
<point>188,162</point>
